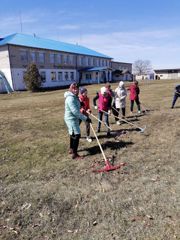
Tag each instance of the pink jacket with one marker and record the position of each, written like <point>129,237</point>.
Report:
<point>134,92</point>
<point>104,102</point>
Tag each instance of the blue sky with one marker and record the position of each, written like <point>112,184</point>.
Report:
<point>126,30</point>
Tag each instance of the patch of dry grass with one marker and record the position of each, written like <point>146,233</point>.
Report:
<point>46,195</point>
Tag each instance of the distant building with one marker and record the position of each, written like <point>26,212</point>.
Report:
<point>167,73</point>
<point>121,71</point>
<point>59,63</point>
<point>148,76</point>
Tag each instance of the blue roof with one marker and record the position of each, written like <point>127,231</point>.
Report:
<point>37,42</point>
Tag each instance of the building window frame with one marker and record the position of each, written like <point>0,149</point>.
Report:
<point>66,76</point>
<point>43,76</point>
<point>41,57</point>
<point>24,56</point>
<point>53,76</point>
<point>60,76</point>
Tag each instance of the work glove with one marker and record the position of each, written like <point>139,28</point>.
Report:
<point>109,112</point>
<point>88,120</point>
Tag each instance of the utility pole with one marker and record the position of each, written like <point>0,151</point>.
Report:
<point>20,18</point>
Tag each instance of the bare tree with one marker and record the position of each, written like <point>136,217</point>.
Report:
<point>141,67</point>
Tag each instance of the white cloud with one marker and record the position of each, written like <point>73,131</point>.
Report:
<point>158,46</point>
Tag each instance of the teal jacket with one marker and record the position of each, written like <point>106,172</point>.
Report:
<point>72,113</point>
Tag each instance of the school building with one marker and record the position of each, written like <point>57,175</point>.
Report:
<point>59,63</point>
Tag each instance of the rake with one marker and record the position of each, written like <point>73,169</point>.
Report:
<point>144,108</point>
<point>108,166</point>
<point>122,119</point>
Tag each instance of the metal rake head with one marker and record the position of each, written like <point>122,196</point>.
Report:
<point>142,129</point>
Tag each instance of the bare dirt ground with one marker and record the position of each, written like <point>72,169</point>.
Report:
<point>44,194</point>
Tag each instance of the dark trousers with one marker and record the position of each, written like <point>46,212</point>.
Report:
<point>137,103</point>
<point>74,142</point>
<point>106,119</point>
<point>176,95</point>
<point>87,127</point>
<point>115,112</point>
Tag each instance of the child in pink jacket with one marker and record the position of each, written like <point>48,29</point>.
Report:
<point>134,96</point>
<point>104,104</point>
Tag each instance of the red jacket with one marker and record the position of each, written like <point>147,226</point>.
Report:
<point>104,102</point>
<point>134,91</point>
<point>84,104</point>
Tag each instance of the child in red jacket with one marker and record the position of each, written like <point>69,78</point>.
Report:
<point>134,96</point>
<point>104,106</point>
<point>85,109</point>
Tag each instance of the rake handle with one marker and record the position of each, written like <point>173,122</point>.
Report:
<point>122,119</point>
<point>98,142</point>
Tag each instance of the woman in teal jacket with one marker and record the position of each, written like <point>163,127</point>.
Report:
<point>72,116</point>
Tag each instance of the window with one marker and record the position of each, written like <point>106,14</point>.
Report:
<point>53,76</point>
<point>82,61</point>
<point>41,58</point>
<point>72,75</point>
<point>79,60</point>
<point>94,61</point>
<point>33,57</point>
<point>23,56</point>
<point>70,59</point>
<point>89,61</point>
<point>43,76</point>
<point>73,59</point>
<point>66,76</point>
<point>97,75</point>
<point>98,62</point>
<point>52,58</point>
<point>58,58</point>
<point>88,76</point>
<point>65,59</point>
<point>60,76</point>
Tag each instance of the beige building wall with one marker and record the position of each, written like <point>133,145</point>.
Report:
<point>14,61</point>
<point>5,64</point>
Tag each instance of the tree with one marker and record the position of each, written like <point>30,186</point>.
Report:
<point>141,67</point>
<point>32,78</point>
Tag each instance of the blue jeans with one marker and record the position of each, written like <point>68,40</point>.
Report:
<point>106,119</point>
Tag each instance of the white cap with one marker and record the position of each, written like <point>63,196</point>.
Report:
<point>103,90</point>
<point>121,84</point>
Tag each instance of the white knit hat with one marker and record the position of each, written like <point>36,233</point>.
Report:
<point>103,90</point>
<point>121,84</point>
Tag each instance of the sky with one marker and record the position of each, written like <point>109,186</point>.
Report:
<point>126,30</point>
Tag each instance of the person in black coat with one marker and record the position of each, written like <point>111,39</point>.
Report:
<point>176,95</point>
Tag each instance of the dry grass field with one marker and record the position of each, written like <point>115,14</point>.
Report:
<point>45,195</point>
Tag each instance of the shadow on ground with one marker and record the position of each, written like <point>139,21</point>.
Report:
<point>107,145</point>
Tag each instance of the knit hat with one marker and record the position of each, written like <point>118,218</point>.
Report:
<point>121,84</point>
<point>83,90</point>
<point>73,86</point>
<point>103,90</point>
